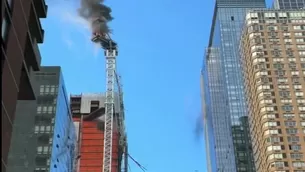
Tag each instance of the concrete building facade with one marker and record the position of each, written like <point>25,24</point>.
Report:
<point>273,59</point>
<point>43,137</point>
<point>20,34</point>
<point>226,102</point>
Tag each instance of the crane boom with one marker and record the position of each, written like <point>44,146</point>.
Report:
<point>110,50</point>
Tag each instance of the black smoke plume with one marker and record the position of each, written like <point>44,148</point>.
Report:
<point>96,13</point>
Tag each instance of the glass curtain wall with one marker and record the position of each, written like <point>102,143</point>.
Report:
<point>226,86</point>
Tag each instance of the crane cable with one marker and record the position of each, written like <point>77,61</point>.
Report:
<point>138,164</point>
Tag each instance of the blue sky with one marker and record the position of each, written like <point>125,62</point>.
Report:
<point>161,48</point>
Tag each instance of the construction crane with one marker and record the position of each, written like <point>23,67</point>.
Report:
<point>110,51</point>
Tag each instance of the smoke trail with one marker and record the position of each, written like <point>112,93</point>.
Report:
<point>198,130</point>
<point>96,13</point>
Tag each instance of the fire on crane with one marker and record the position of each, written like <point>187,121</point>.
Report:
<point>98,15</point>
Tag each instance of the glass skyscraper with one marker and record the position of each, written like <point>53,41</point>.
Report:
<point>289,4</point>
<point>226,102</point>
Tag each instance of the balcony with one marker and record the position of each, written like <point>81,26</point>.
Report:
<point>35,25</point>
<point>41,8</point>
<point>31,54</point>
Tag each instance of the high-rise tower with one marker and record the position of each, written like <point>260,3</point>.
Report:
<point>226,104</point>
<point>273,56</point>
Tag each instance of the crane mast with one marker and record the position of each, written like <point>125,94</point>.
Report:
<point>110,50</point>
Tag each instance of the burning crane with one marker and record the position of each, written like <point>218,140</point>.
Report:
<point>98,15</point>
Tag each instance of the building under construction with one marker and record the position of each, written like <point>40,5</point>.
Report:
<point>88,113</point>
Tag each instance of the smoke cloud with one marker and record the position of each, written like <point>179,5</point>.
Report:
<point>96,13</point>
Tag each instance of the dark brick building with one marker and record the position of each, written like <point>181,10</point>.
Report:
<point>21,32</point>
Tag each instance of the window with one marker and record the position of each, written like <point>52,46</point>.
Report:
<point>288,116</point>
<point>294,72</point>
<point>47,89</point>
<point>287,40</point>
<point>291,131</point>
<point>265,101</point>
<point>297,86</point>
<point>287,108</point>
<point>50,109</point>
<point>272,27</point>
<point>277,164</point>
<point>271,124</point>
<point>297,27</point>
<point>298,164</point>
<point>36,129</point>
<point>268,109</point>
<point>295,79</point>
<point>274,139</point>
<point>38,109</point>
<point>296,155</point>
<point>302,53</point>
<point>41,88</point>
<point>286,101</point>
<point>290,123</point>
<point>276,156</point>
<point>299,93</point>
<point>283,86</point>
<point>278,59</point>
<point>282,14</point>
<point>303,124</point>
<point>301,108</point>
<point>45,149</point>
<point>282,80</point>
<point>44,109</point>
<point>295,147</point>
<point>271,148</point>
<point>278,65</point>
<point>293,138</point>
<point>301,47</point>
<point>39,149</point>
<point>267,132</point>
<point>280,72</point>
<point>299,40</point>
<point>48,129</point>
<point>52,90</point>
